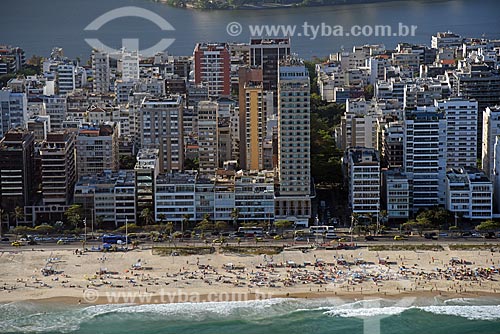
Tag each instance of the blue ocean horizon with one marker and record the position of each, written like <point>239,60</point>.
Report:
<point>462,315</point>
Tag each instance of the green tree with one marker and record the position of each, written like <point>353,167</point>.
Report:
<point>74,215</point>
<point>191,164</point>
<point>235,215</point>
<point>44,229</point>
<point>3,216</point>
<point>436,216</point>
<point>147,216</point>
<point>185,222</point>
<point>220,226</point>
<point>282,225</point>
<point>205,224</point>
<point>488,226</point>
<point>368,92</point>
<point>127,162</point>
<point>162,217</point>
<point>18,214</point>
<point>169,227</point>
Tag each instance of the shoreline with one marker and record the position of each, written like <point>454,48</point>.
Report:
<point>349,297</point>
<point>272,6</point>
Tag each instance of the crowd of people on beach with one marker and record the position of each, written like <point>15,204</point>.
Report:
<point>337,273</point>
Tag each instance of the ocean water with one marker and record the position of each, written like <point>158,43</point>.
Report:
<point>37,26</point>
<point>275,316</point>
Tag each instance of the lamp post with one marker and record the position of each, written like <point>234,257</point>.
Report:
<point>126,233</point>
<point>85,232</point>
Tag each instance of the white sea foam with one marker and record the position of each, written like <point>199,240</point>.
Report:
<point>472,312</point>
<point>365,312</point>
<point>34,318</point>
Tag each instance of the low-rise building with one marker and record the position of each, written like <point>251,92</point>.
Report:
<point>469,193</point>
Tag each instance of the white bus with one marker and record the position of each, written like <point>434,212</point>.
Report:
<point>322,229</point>
<point>252,231</point>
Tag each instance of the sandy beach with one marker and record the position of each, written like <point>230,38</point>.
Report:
<point>138,276</point>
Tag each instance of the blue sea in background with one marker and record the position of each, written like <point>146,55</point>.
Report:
<point>38,26</point>
<point>457,316</point>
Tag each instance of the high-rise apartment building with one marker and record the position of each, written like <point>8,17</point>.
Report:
<point>294,162</point>
<point>267,54</point>
<point>461,131</point>
<point>491,129</point>
<point>425,156</point>
<point>212,67</point>
<point>97,149</point>
<point>17,170</point>
<point>257,104</point>
<point>13,110</point>
<point>101,72</point>
<point>207,137</point>
<point>66,81</point>
<point>363,170</point>
<point>161,128</point>
<point>56,108</point>
<point>146,170</point>
<point>58,168</point>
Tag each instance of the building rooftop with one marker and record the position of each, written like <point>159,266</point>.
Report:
<point>363,156</point>
<point>176,178</point>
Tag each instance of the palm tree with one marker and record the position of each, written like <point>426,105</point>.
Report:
<point>235,215</point>
<point>162,217</point>
<point>17,214</point>
<point>185,221</point>
<point>147,216</point>
<point>169,227</point>
<point>3,214</point>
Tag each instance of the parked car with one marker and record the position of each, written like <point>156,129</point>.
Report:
<point>370,238</point>
<point>400,237</point>
<point>431,235</point>
<point>5,239</point>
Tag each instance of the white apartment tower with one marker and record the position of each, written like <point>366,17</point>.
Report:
<point>363,167</point>
<point>101,72</point>
<point>294,162</point>
<point>461,131</point>
<point>56,108</point>
<point>66,82</point>
<point>13,110</point>
<point>128,65</point>
<point>424,159</point>
<point>491,129</point>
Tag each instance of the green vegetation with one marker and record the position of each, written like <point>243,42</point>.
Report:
<point>234,4</point>
<point>488,226</point>
<point>147,216</point>
<point>127,162</point>
<point>401,247</point>
<point>252,250</point>
<point>475,247</point>
<point>326,168</point>
<point>74,215</point>
<point>182,250</point>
